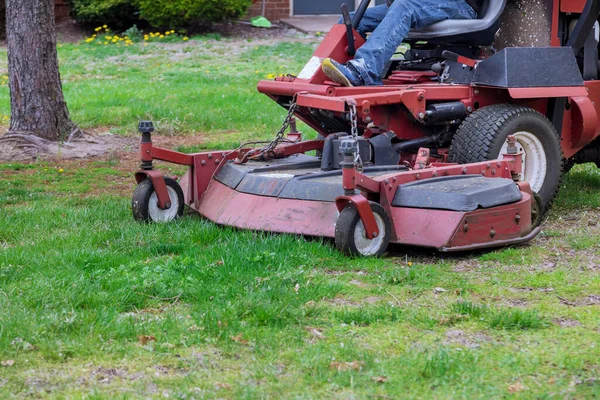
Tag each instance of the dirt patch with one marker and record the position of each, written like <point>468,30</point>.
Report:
<point>30,148</point>
<point>243,30</point>
<point>68,31</point>
<point>338,301</point>
<point>566,322</point>
<point>466,266</point>
<point>459,337</point>
<point>591,300</point>
<point>516,302</point>
<point>530,289</point>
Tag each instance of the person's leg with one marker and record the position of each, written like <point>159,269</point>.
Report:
<point>372,18</point>
<point>402,15</point>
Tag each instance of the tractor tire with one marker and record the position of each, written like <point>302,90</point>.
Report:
<point>144,203</point>
<point>350,237</point>
<point>482,136</point>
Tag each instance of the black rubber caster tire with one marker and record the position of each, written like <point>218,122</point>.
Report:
<point>482,135</point>
<point>536,211</point>
<point>350,236</point>
<point>144,203</point>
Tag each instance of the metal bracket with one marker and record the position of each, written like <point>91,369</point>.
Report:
<point>363,207</point>
<point>159,185</point>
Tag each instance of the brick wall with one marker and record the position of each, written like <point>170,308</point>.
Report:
<point>274,9</point>
<point>61,12</point>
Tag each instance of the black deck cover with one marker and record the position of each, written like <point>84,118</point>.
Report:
<point>522,67</point>
<point>297,177</point>
<point>457,193</point>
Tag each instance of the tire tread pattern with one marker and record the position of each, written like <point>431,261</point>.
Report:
<point>479,132</point>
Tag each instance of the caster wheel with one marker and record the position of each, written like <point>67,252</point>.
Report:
<point>350,235</point>
<point>144,203</point>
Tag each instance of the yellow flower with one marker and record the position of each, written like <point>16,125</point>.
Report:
<point>167,33</point>
<point>109,37</point>
<point>61,170</point>
<point>98,29</point>
<point>105,26</point>
<point>270,76</point>
<point>185,38</point>
<point>161,36</point>
<point>172,31</point>
<point>3,83</point>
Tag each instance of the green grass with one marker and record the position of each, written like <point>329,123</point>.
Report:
<point>95,305</point>
<point>204,85</point>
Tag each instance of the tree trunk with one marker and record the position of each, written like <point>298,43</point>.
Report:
<point>36,98</point>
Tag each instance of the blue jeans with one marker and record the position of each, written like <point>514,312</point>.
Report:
<point>390,27</point>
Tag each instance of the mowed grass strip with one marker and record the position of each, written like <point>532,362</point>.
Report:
<point>93,304</point>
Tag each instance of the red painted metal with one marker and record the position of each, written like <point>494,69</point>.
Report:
<point>440,229</point>
<point>205,166</point>
<point>572,6</point>
<point>554,36</point>
<point>171,156</point>
<point>448,230</point>
<point>225,206</point>
<point>544,93</point>
<point>301,147</point>
<point>411,77</point>
<point>422,158</point>
<point>159,185</point>
<point>584,119</point>
<point>146,151</point>
<point>466,61</point>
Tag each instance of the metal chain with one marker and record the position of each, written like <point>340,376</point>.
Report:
<point>279,137</point>
<point>354,133</point>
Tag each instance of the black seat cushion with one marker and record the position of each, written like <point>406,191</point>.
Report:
<point>478,31</point>
<point>457,193</point>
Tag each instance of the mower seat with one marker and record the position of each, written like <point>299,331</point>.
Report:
<point>473,32</point>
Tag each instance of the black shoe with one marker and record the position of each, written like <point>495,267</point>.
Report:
<point>344,74</point>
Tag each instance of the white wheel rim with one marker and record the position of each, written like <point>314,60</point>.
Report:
<point>158,215</point>
<point>364,245</point>
<point>534,163</point>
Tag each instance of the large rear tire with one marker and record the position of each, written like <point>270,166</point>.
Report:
<point>482,136</point>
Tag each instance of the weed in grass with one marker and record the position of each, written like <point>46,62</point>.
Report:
<point>365,316</point>
<point>516,319</point>
<point>468,308</point>
<point>447,363</point>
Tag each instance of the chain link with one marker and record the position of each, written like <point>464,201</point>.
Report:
<point>280,136</point>
<point>354,133</point>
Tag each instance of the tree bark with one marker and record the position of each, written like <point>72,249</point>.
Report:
<point>36,97</point>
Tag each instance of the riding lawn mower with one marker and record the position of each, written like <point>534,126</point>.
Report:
<point>461,148</point>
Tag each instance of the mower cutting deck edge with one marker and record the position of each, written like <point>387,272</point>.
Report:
<point>444,206</point>
<point>461,147</point>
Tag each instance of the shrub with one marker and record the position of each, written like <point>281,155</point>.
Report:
<point>182,13</point>
<point>118,14</point>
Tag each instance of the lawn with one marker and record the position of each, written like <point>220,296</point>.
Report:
<point>95,305</point>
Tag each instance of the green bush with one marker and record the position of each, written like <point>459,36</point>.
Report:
<point>117,14</point>
<point>182,13</point>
